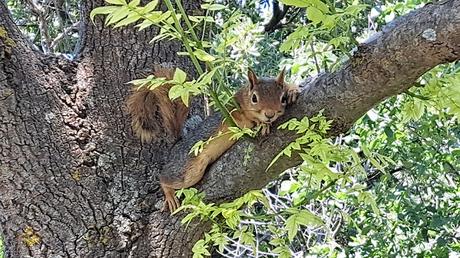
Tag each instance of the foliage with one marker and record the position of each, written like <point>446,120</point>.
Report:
<point>50,25</point>
<point>326,165</point>
<point>419,194</point>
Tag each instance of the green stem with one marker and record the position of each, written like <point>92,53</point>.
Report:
<point>188,23</point>
<point>204,25</point>
<point>414,95</point>
<point>318,68</point>
<point>208,64</point>
<point>195,62</point>
<point>322,190</point>
<point>184,38</point>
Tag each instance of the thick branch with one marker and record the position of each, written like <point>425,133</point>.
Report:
<point>384,66</point>
<point>11,39</point>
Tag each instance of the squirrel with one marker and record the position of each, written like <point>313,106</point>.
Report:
<point>261,102</point>
<point>153,113</point>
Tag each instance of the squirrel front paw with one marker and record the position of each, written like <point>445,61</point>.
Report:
<point>292,92</point>
<point>265,129</point>
<point>171,201</point>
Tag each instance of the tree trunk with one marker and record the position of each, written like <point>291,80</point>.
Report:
<point>74,182</point>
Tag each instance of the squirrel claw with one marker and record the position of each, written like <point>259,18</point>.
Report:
<point>292,93</point>
<point>171,204</point>
<point>171,201</point>
<point>265,129</point>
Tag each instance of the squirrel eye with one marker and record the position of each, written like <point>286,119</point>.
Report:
<point>254,98</point>
<point>284,99</point>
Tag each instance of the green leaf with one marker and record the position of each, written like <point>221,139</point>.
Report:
<point>116,2</point>
<point>200,249</point>
<point>194,19</point>
<point>413,110</point>
<point>213,7</point>
<point>247,238</point>
<point>203,56</point>
<point>185,97</point>
<point>161,17</point>
<point>298,3</point>
<point>292,227</point>
<point>187,219</point>
<point>355,9</point>
<point>179,76</point>
<point>150,6</point>
<point>338,41</point>
<point>329,21</point>
<point>160,36</point>
<point>134,3</point>
<point>324,8</point>
<point>132,18</point>
<point>283,251</point>
<point>175,92</point>
<point>368,199</point>
<point>207,77</point>
<point>102,10</point>
<point>145,24</point>
<point>197,148</point>
<point>232,217</point>
<point>118,15</point>
<point>171,21</point>
<point>315,15</point>
<point>306,218</point>
<point>220,240</point>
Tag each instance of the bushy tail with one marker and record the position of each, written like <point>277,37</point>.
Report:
<point>153,114</point>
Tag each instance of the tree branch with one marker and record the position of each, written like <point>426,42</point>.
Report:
<point>384,66</point>
<point>73,28</point>
<point>19,43</point>
<point>41,14</point>
<point>277,16</point>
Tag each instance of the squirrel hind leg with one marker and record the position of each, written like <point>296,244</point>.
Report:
<point>194,170</point>
<point>171,201</point>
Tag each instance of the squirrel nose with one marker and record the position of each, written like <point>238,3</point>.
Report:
<point>269,115</point>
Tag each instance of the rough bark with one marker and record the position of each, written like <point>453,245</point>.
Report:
<point>73,176</point>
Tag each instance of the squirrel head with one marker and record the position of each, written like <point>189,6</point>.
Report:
<point>264,99</point>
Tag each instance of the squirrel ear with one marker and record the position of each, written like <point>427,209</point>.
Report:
<point>280,78</point>
<point>252,77</point>
<point>163,71</point>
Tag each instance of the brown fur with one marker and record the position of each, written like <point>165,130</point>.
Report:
<point>153,113</point>
<point>269,93</point>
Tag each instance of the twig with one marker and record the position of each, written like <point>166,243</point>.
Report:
<point>277,16</point>
<point>41,13</point>
<point>62,35</point>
